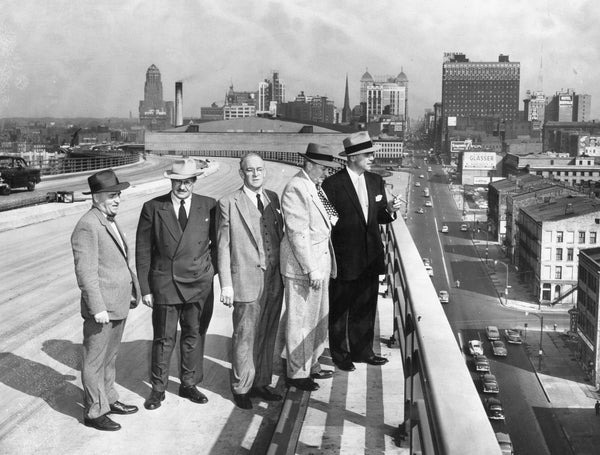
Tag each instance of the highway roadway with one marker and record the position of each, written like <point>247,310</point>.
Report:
<point>474,305</point>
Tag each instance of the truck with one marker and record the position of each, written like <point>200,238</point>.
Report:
<point>426,192</point>
<point>15,173</point>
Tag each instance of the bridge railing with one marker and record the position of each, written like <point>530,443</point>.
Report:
<point>443,413</point>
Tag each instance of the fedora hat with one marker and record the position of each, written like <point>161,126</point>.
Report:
<point>320,154</point>
<point>183,169</point>
<point>105,181</point>
<point>358,143</point>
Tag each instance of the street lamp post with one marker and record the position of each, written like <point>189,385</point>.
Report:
<point>496,262</point>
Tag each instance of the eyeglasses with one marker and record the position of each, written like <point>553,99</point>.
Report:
<point>187,182</point>
<point>254,170</point>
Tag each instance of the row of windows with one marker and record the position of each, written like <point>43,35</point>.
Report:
<point>587,302</point>
<point>586,326</point>
<point>574,173</point>
<point>590,279</point>
<point>581,236</point>
<point>559,254</point>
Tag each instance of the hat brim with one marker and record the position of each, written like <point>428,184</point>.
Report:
<point>331,164</point>
<point>373,149</point>
<point>174,176</point>
<point>110,189</point>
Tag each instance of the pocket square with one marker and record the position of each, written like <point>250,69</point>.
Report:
<point>206,220</point>
<point>378,198</point>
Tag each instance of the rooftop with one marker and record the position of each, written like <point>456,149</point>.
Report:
<point>248,125</point>
<point>592,253</point>
<point>564,208</point>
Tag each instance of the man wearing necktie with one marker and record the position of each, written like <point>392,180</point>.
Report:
<point>360,200</point>
<point>175,254</point>
<point>307,264</point>
<point>109,288</point>
<point>250,228</point>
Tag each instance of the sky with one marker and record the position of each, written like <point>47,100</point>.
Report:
<point>75,58</point>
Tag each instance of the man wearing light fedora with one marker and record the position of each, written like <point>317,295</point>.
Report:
<point>109,288</point>
<point>360,200</point>
<point>307,264</point>
<point>174,258</point>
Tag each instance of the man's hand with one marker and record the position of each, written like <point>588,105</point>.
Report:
<point>148,300</point>
<point>315,279</point>
<point>102,317</point>
<point>227,296</point>
<point>394,205</point>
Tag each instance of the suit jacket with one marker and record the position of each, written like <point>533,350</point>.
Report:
<point>107,281</point>
<point>306,245</point>
<point>241,255</point>
<point>173,265</point>
<point>357,243</point>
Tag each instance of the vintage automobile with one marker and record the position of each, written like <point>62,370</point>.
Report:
<point>499,349</point>
<point>475,347</point>
<point>492,333</point>
<point>494,409</point>
<point>444,297</point>
<point>513,336</point>
<point>16,174</point>
<point>482,364</point>
<point>489,383</point>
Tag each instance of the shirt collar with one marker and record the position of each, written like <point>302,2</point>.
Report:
<point>177,202</point>
<point>252,194</point>
<point>354,176</point>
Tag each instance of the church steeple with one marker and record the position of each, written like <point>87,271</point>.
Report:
<point>346,111</point>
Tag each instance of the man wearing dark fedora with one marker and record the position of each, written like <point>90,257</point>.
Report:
<point>307,264</point>
<point>109,288</point>
<point>174,259</point>
<point>360,199</point>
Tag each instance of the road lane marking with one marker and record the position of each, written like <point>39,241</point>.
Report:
<point>437,230</point>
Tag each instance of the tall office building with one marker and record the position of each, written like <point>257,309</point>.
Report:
<point>384,99</point>
<point>154,112</point>
<point>271,93</point>
<point>480,89</point>
<point>567,106</point>
<point>534,106</point>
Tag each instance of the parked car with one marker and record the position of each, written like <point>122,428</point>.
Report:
<point>445,229</point>
<point>492,333</point>
<point>15,173</point>
<point>429,269</point>
<point>481,362</point>
<point>505,443</point>
<point>444,297</point>
<point>513,336</point>
<point>489,383</point>
<point>421,176</point>
<point>428,204</point>
<point>426,261</point>
<point>420,210</point>
<point>429,169</point>
<point>475,347</point>
<point>464,228</point>
<point>494,409</point>
<point>417,183</point>
<point>499,349</point>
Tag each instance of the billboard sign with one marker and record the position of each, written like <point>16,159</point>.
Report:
<point>479,161</point>
<point>451,121</point>
<point>588,145</point>
<point>461,146</point>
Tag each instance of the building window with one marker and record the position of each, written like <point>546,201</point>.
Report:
<point>569,254</point>
<point>592,237</point>
<point>559,255</point>
<point>581,237</point>
<point>559,236</point>
<point>558,273</point>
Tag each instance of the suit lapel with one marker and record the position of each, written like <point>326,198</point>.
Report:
<point>104,222</point>
<point>349,187</point>
<point>244,206</point>
<point>167,214</point>
<point>312,191</point>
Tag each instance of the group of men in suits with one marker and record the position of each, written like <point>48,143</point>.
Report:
<point>320,247</point>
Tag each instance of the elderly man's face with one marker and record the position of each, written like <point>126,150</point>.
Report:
<point>182,189</point>
<point>107,203</point>
<point>362,162</point>
<point>252,172</point>
<point>316,172</point>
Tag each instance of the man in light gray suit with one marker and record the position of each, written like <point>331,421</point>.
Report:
<point>109,288</point>
<point>250,228</point>
<point>307,263</point>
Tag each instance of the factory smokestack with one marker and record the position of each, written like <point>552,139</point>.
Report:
<point>178,103</point>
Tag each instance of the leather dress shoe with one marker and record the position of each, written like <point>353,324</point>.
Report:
<point>242,400</point>
<point>375,360</point>
<point>346,366</point>
<point>306,384</point>
<point>154,400</point>
<point>103,423</point>
<point>323,374</point>
<point>192,394</point>
<point>265,393</point>
<point>119,408</point>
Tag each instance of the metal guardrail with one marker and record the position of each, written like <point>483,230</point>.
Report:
<point>70,165</point>
<point>443,412</point>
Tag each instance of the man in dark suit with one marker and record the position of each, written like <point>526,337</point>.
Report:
<point>250,229</point>
<point>174,258</point>
<point>109,288</point>
<point>360,200</point>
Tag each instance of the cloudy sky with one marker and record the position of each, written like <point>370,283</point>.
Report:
<point>68,58</point>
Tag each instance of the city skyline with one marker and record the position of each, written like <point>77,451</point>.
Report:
<point>69,59</point>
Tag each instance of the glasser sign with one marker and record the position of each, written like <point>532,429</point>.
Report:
<point>479,160</point>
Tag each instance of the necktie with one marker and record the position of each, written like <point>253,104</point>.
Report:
<point>363,197</point>
<point>182,215</point>
<point>329,208</point>
<point>110,218</point>
<point>259,204</point>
